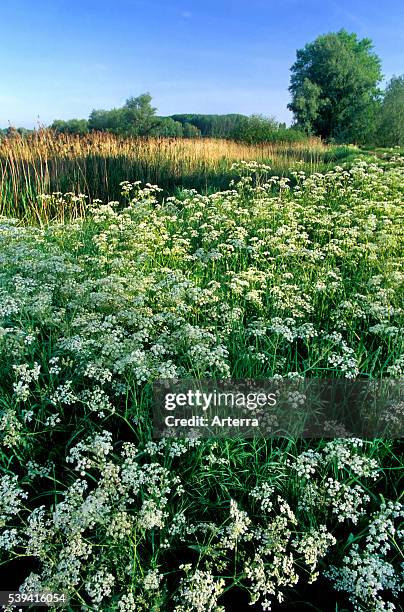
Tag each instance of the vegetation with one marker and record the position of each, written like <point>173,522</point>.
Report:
<point>97,163</point>
<point>73,126</point>
<point>335,95</point>
<point>138,118</point>
<point>257,128</point>
<point>391,126</point>
<point>253,129</point>
<point>258,281</point>
<point>136,248</point>
<point>212,126</point>
<point>334,87</point>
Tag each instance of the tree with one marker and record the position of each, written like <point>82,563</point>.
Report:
<point>168,128</point>
<point>307,105</point>
<point>136,118</point>
<point>212,126</point>
<point>334,87</point>
<point>72,126</point>
<point>391,127</point>
<point>139,116</point>
<point>106,120</point>
<point>256,128</point>
<point>190,131</point>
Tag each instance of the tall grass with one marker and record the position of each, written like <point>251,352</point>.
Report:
<point>95,164</point>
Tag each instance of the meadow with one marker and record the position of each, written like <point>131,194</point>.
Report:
<point>96,164</point>
<point>289,266</point>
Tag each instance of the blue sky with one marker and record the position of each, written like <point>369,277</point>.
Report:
<point>62,58</point>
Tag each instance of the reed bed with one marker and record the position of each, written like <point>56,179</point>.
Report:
<point>96,164</point>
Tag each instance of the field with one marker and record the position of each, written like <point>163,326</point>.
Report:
<point>293,269</point>
<point>95,165</point>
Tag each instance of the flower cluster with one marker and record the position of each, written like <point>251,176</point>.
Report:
<point>264,280</point>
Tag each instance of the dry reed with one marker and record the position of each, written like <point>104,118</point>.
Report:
<point>95,164</point>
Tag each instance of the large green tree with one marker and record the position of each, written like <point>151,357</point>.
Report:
<point>139,116</point>
<point>136,118</point>
<point>334,87</point>
<point>391,127</point>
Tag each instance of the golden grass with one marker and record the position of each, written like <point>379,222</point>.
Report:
<point>95,164</point>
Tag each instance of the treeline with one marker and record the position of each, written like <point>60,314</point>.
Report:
<point>335,94</point>
<point>252,129</point>
<point>138,118</point>
<point>22,131</point>
<point>375,119</point>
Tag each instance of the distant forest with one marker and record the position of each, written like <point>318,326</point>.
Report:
<point>138,118</point>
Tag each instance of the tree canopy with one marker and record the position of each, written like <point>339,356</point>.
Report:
<point>72,126</point>
<point>391,128</point>
<point>334,86</point>
<point>136,118</point>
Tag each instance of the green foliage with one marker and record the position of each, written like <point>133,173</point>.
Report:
<point>257,128</point>
<point>136,118</point>
<point>307,104</point>
<point>391,127</point>
<point>334,87</point>
<point>213,126</point>
<point>190,131</point>
<point>252,129</point>
<point>72,126</point>
<point>12,131</point>
<point>167,127</point>
<point>106,120</point>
